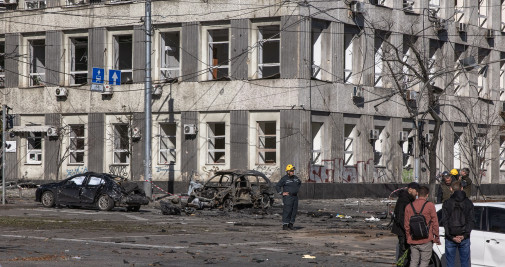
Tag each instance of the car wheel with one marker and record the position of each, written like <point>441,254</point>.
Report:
<point>266,201</point>
<point>435,261</point>
<point>105,203</point>
<point>47,199</point>
<point>133,208</point>
<point>228,204</point>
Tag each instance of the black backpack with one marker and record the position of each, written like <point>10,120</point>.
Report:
<point>418,227</point>
<point>457,220</point>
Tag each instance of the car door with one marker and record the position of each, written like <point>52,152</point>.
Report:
<point>478,237</point>
<point>69,192</point>
<point>91,188</point>
<point>495,238</point>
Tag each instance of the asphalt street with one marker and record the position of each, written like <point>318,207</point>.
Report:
<point>36,236</point>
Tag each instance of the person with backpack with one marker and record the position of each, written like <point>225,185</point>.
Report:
<point>405,197</point>
<point>457,219</point>
<point>421,228</point>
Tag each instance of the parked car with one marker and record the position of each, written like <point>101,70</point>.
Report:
<point>93,190</point>
<point>237,188</point>
<point>487,240</point>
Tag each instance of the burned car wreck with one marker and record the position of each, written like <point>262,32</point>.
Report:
<point>227,190</point>
<point>93,190</point>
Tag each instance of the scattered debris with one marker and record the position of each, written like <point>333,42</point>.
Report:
<point>372,219</point>
<point>306,256</point>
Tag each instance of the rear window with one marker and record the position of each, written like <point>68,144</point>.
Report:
<point>478,212</point>
<point>496,218</point>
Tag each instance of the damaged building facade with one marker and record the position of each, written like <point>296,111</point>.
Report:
<point>248,85</point>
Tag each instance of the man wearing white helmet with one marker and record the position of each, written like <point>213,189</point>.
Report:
<point>288,187</point>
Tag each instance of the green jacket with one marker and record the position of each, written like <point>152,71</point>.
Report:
<point>443,193</point>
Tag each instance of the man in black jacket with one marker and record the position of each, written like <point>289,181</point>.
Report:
<point>288,187</point>
<point>457,219</point>
<point>404,199</point>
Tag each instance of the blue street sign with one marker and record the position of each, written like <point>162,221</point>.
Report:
<point>115,77</point>
<point>98,75</point>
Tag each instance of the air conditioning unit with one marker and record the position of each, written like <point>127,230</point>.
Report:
<point>135,133</point>
<point>61,92</point>
<point>357,92</point>
<point>52,131</point>
<point>107,89</point>
<point>490,34</point>
<point>189,129</point>
<point>157,90</point>
<point>428,137</point>
<point>441,25</point>
<point>462,27</point>
<point>374,134</point>
<point>404,136</point>
<point>357,7</point>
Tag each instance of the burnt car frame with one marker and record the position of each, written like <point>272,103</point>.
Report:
<point>92,190</point>
<point>237,188</point>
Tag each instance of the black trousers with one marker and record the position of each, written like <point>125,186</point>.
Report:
<point>290,209</point>
<point>402,247</point>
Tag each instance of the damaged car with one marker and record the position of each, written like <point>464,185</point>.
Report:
<point>93,190</point>
<point>231,189</point>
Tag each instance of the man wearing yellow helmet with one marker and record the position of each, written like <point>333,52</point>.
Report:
<point>288,187</point>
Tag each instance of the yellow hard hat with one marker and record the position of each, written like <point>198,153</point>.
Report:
<point>454,172</point>
<point>290,168</point>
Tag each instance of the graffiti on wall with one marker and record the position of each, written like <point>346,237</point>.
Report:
<point>76,170</point>
<point>208,171</point>
<point>268,170</point>
<point>119,170</point>
<point>324,173</point>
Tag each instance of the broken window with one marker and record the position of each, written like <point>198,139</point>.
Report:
<point>269,39</point>
<point>317,47</point>
<point>34,148</point>
<point>378,144</point>
<point>378,63</point>
<point>170,58</point>
<point>76,148</point>
<point>457,150</point>
<point>434,5</point>
<point>123,60</point>
<point>407,149</point>
<point>79,60</point>
<point>482,12</point>
<point>482,86</point>
<point>218,45</point>
<point>37,52</point>
<point>317,140</point>
<point>459,81</point>
<point>2,64</point>
<point>459,6</point>
<point>167,136</point>
<point>502,153</point>
<point>35,4</point>
<point>216,139</point>
<point>348,61</point>
<point>121,144</point>
<point>267,142</point>
<point>349,136</point>
<point>408,5</point>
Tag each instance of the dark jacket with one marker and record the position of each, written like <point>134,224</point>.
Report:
<point>289,184</point>
<point>448,206</point>
<point>404,199</point>
<point>444,191</point>
<point>466,182</point>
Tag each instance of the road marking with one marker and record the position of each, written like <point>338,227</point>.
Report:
<point>95,242</point>
<point>135,217</point>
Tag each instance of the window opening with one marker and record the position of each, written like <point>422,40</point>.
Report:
<point>216,139</point>
<point>34,148</point>
<point>218,43</point>
<point>121,144</point>
<point>37,62</point>
<point>269,42</point>
<point>267,142</point>
<point>168,133</point>
<point>76,149</point>
<point>317,140</point>
<point>123,61</point>
<point>79,60</point>
<point>170,59</point>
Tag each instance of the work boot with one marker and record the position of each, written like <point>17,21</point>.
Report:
<point>290,226</point>
<point>284,227</point>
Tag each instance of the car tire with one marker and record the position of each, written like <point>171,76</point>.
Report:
<point>266,201</point>
<point>228,204</point>
<point>435,261</point>
<point>105,203</point>
<point>133,208</point>
<point>47,199</point>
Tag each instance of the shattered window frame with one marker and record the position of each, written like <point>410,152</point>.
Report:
<point>34,148</point>
<point>167,144</point>
<point>269,40</point>
<point>123,56</point>
<point>317,142</point>
<point>76,144</point>
<point>121,144</point>
<point>216,143</point>
<point>266,131</point>
<point>218,51</point>
<point>78,60</point>
<point>170,63</point>
<point>37,62</point>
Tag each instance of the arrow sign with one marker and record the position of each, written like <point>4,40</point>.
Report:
<point>114,77</point>
<point>98,75</point>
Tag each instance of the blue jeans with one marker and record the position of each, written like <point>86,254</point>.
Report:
<point>464,252</point>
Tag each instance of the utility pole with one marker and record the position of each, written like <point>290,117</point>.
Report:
<point>147,105</point>
<point>4,126</point>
